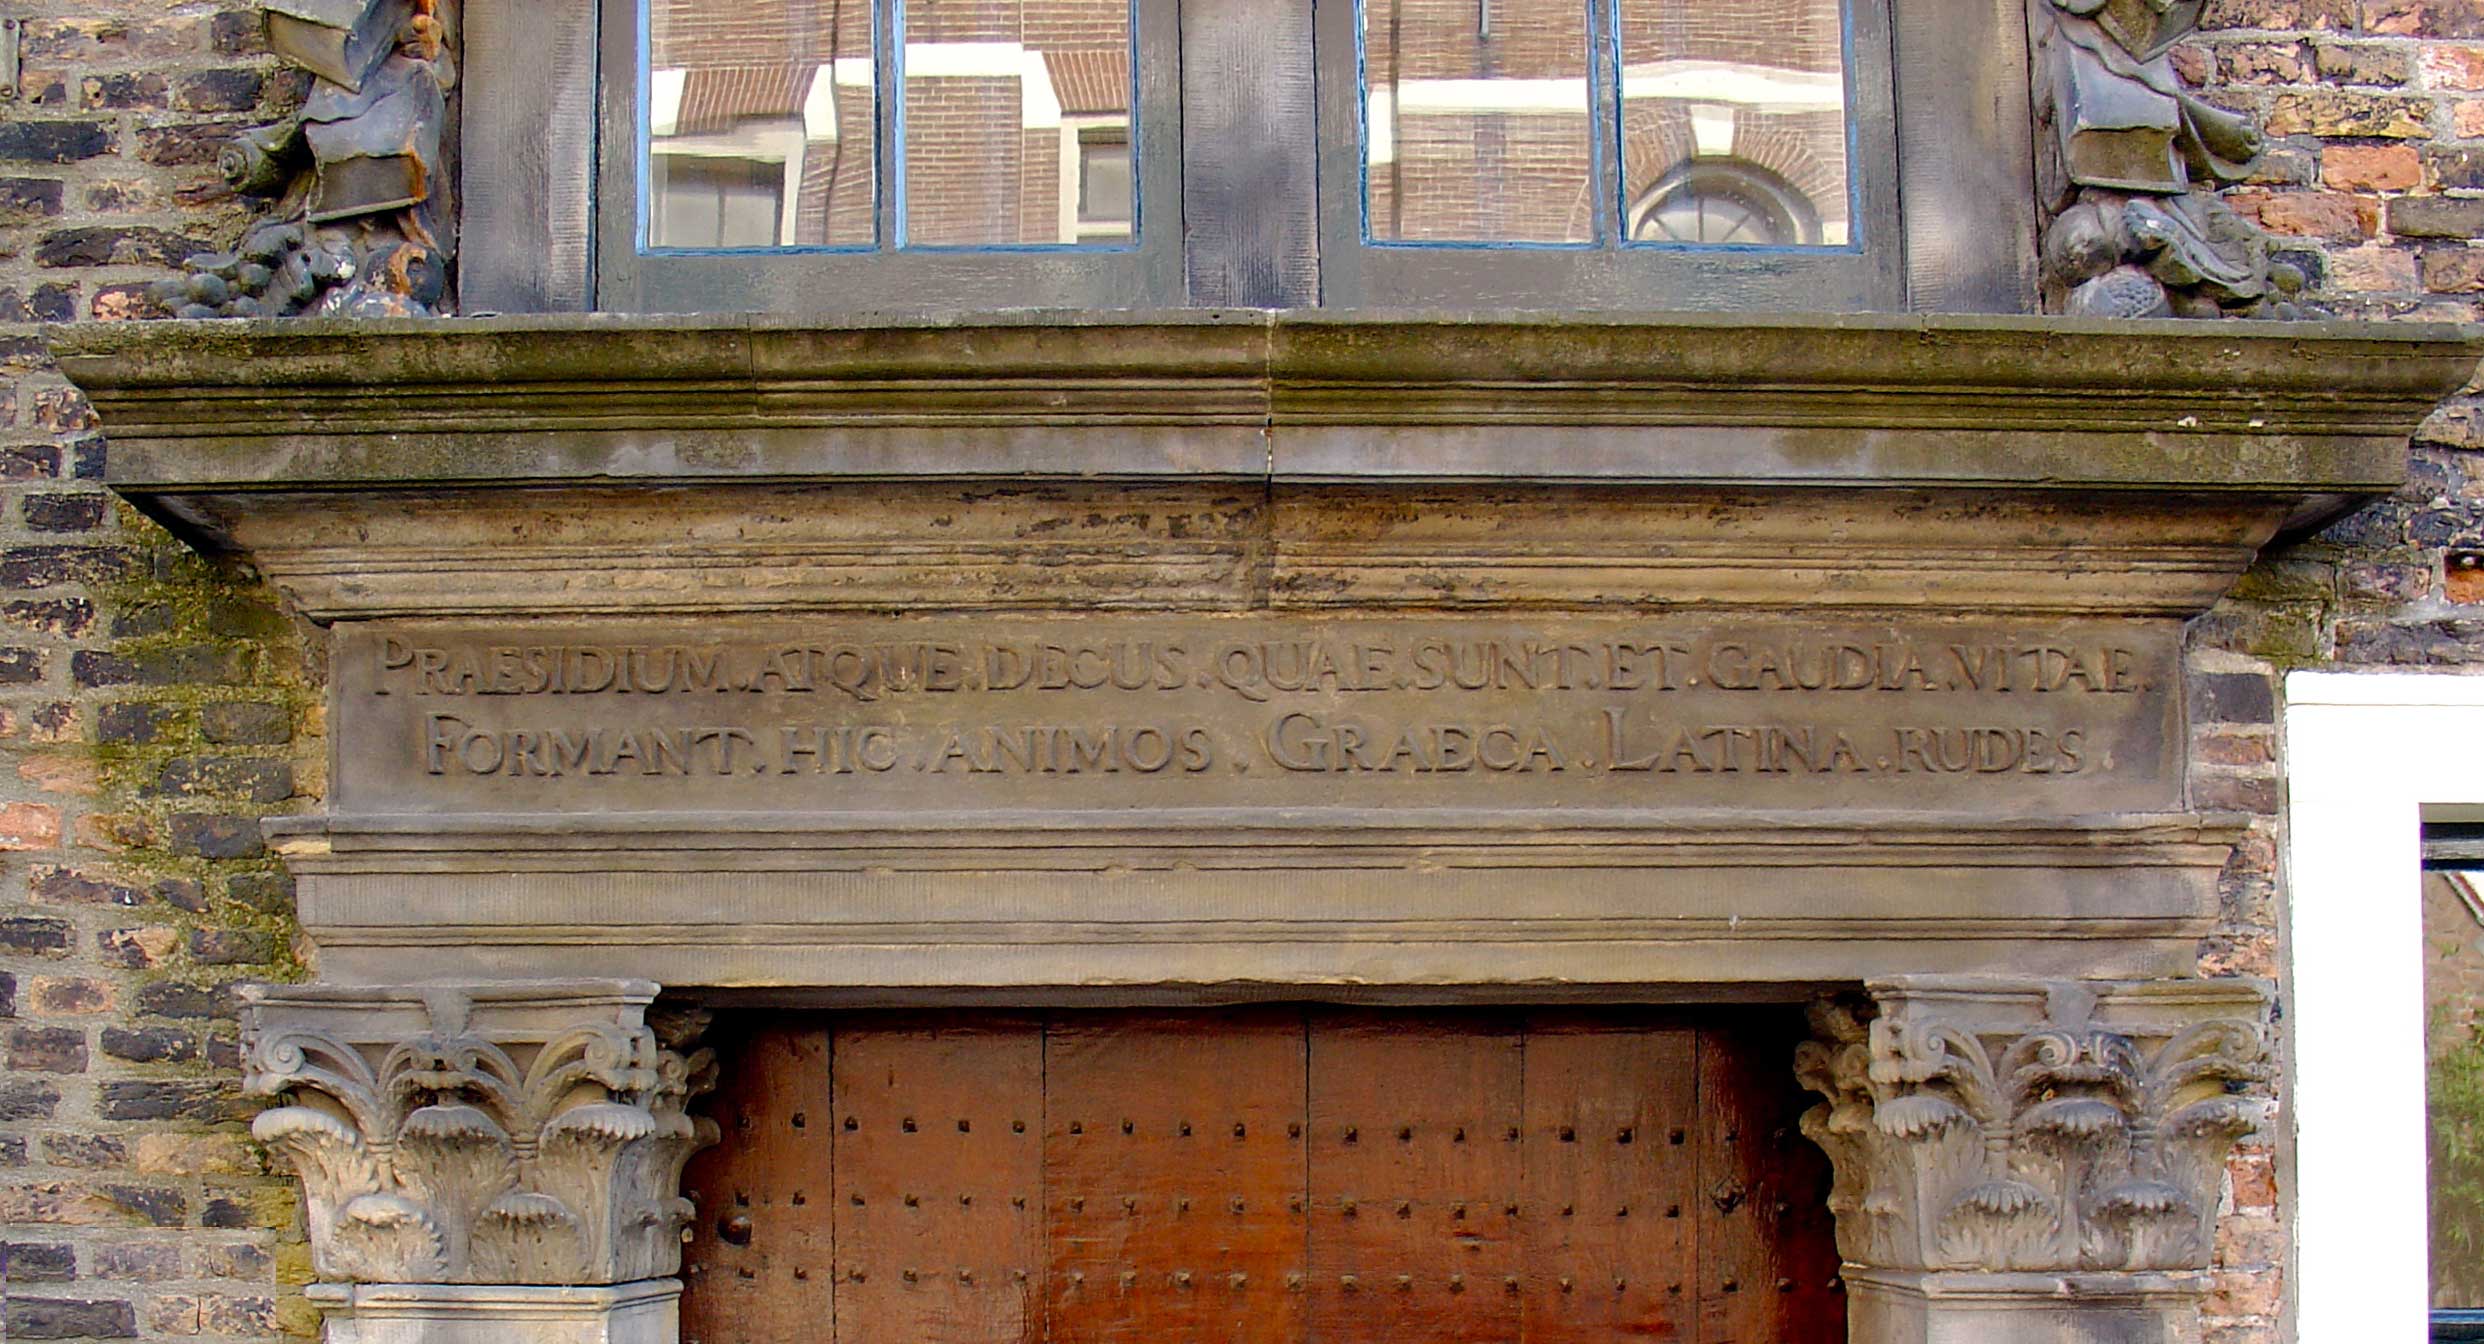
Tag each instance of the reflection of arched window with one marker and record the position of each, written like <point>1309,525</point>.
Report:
<point>1728,201</point>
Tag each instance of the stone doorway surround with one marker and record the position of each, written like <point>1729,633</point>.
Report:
<point>1218,656</point>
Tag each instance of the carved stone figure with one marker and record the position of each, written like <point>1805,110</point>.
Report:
<point>2128,167</point>
<point>363,223</point>
<point>493,1134</point>
<point>2001,1134</point>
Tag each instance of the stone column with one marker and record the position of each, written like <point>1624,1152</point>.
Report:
<point>484,1163</point>
<point>2032,1162</point>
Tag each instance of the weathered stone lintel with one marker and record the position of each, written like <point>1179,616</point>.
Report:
<point>645,1311</point>
<point>509,1133</point>
<point>2035,1128</point>
<point>920,908</point>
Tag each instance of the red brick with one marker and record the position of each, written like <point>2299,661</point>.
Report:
<point>2347,112</point>
<point>2320,214</point>
<point>2453,67</point>
<point>29,826</point>
<point>2424,18</point>
<point>2454,270</point>
<point>2371,167</point>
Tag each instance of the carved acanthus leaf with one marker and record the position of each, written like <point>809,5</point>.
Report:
<point>450,1162</point>
<point>2039,1142</point>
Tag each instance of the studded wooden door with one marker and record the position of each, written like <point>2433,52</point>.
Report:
<point>1263,1176</point>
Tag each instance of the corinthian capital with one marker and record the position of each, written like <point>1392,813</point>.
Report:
<point>519,1133</point>
<point>2016,1125</point>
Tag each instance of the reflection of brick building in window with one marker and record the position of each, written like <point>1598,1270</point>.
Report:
<point>1478,122</point>
<point>1008,105</point>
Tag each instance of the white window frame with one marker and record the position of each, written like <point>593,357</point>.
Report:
<point>2369,758</point>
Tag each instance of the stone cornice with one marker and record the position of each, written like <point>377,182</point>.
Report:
<point>2304,408</point>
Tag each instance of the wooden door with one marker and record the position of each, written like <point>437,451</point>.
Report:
<point>1263,1176</point>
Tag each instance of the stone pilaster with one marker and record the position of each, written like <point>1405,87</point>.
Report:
<point>521,1136</point>
<point>2032,1162</point>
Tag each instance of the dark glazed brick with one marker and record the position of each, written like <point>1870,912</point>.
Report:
<point>190,665</point>
<point>131,722</point>
<point>113,245</point>
<point>219,91</point>
<point>21,197</point>
<point>214,1103</point>
<point>154,1203</point>
<point>170,999</point>
<point>150,1045</point>
<point>181,894</point>
<point>68,886</point>
<point>8,995</point>
<point>142,619</point>
<point>68,617</point>
<point>221,1213</point>
<point>124,89</point>
<point>66,513</point>
<point>231,947</point>
<point>2455,165</point>
<point>53,141</point>
<point>20,667</point>
<point>47,1050</point>
<point>34,935</point>
<point>69,1318</point>
<point>93,667</point>
<point>184,145</point>
<point>2232,697</point>
<point>34,1262</point>
<point>269,893</point>
<point>27,1099</point>
<point>215,835</point>
<point>2436,217</point>
<point>51,303</point>
<point>46,566</point>
<point>238,32</point>
<point>245,723</point>
<point>87,463</point>
<point>29,461</point>
<point>247,778</point>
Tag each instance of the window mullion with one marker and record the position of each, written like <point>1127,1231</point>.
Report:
<point>1604,77</point>
<point>889,98</point>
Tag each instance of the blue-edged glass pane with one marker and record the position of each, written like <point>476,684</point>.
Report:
<point>759,125</point>
<point>1734,123</point>
<point>1476,121</point>
<point>1017,123</point>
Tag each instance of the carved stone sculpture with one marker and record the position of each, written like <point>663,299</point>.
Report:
<point>363,224</point>
<point>2128,167</point>
<point>2001,1141</point>
<point>496,1134</point>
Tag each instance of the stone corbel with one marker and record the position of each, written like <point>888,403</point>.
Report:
<point>525,1136</point>
<point>2024,1160</point>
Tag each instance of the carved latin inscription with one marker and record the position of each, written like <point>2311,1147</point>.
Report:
<point>1171,712</point>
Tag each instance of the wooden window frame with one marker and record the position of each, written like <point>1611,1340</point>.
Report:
<point>1251,211</point>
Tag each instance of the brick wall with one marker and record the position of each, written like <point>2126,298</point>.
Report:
<point>2374,183</point>
<point>150,704</point>
<point>151,708</point>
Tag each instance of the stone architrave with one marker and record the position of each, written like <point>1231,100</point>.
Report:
<point>526,1137</point>
<point>2030,1161</point>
